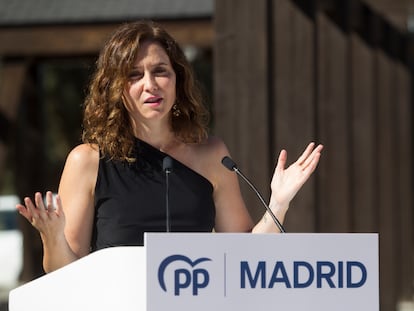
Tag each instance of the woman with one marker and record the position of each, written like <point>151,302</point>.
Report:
<point>143,105</point>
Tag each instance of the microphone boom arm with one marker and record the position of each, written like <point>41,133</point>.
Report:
<point>229,163</point>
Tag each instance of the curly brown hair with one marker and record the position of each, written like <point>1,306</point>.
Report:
<point>106,121</point>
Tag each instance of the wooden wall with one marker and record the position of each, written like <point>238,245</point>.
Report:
<point>288,72</point>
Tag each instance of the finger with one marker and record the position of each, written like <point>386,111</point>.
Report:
<point>24,212</point>
<point>39,201</point>
<point>311,158</point>
<point>49,201</point>
<point>281,162</point>
<point>32,211</point>
<point>30,206</point>
<point>59,209</point>
<point>313,164</point>
<point>305,154</point>
<point>41,209</point>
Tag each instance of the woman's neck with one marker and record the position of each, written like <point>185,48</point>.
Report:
<point>160,137</point>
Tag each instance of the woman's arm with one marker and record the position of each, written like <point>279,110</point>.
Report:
<point>66,227</point>
<point>231,213</point>
<point>286,183</point>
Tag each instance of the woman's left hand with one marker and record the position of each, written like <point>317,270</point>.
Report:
<point>287,182</point>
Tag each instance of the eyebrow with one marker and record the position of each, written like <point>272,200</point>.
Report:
<point>161,63</point>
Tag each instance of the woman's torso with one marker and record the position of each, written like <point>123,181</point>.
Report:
<point>130,199</point>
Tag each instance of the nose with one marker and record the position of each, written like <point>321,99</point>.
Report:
<point>150,84</point>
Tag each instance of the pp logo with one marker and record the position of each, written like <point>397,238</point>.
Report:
<point>196,278</point>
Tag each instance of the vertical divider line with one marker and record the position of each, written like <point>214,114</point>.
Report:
<point>225,275</point>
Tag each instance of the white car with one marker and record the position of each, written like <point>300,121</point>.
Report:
<point>11,246</point>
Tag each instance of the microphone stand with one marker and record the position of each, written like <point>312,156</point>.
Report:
<point>167,167</point>
<point>231,165</point>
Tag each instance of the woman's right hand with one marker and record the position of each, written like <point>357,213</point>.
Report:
<point>48,219</point>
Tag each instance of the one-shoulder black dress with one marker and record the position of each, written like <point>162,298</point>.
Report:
<point>130,199</point>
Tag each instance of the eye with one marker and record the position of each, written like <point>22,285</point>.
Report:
<point>135,75</point>
<point>161,71</point>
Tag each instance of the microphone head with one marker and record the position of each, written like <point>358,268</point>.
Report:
<point>167,164</point>
<point>229,163</point>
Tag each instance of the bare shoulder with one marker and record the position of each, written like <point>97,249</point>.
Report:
<point>81,169</point>
<point>210,152</point>
<point>207,157</point>
<point>83,161</point>
<point>231,213</point>
<point>84,155</point>
<point>212,146</point>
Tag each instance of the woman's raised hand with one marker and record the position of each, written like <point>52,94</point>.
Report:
<point>287,182</point>
<point>46,217</point>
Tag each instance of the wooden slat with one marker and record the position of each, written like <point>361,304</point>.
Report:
<point>225,109</point>
<point>386,169</point>
<point>334,192</point>
<point>241,96</point>
<point>251,74</point>
<point>294,101</point>
<point>225,117</point>
<point>404,153</point>
<point>88,39</point>
<point>363,105</point>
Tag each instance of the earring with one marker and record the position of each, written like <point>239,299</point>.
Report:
<point>176,111</point>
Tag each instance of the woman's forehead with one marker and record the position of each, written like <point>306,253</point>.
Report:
<point>151,52</point>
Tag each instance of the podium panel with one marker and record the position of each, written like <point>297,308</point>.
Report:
<point>246,271</point>
<point>107,280</point>
<point>220,271</point>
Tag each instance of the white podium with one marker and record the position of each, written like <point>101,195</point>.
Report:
<point>220,271</point>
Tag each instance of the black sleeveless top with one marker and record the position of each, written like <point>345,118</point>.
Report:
<point>130,199</point>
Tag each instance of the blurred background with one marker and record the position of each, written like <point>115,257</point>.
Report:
<point>275,74</point>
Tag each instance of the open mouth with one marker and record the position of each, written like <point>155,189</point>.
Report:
<point>153,100</point>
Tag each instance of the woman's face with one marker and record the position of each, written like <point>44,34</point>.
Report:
<point>150,92</point>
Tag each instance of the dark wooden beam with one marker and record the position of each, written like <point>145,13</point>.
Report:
<point>12,76</point>
<point>89,39</point>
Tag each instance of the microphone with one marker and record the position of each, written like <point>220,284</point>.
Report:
<point>232,166</point>
<point>167,164</point>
